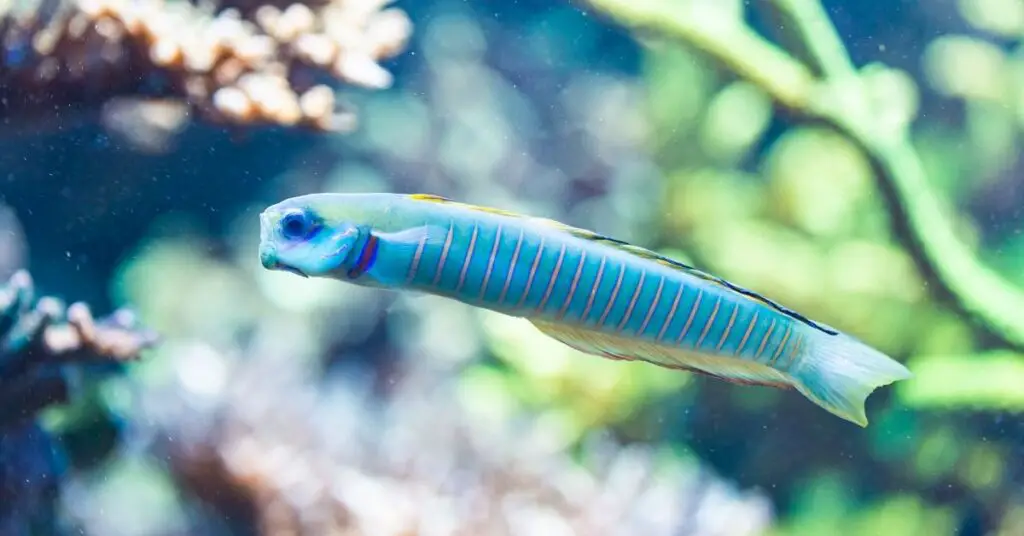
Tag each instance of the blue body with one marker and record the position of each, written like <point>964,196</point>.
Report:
<point>524,268</point>
<point>595,293</point>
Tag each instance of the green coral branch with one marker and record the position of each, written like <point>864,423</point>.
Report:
<point>814,29</point>
<point>987,381</point>
<point>921,220</point>
<point>763,63</point>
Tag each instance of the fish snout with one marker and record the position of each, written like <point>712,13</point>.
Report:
<point>270,261</point>
<point>268,256</point>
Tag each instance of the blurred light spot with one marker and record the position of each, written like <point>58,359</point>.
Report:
<point>202,371</point>
<point>819,179</point>
<point>965,67</point>
<point>1001,17</point>
<point>300,294</point>
<point>989,381</point>
<point>399,126</point>
<point>736,118</point>
<point>453,35</point>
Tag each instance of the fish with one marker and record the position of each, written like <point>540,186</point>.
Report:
<point>597,294</point>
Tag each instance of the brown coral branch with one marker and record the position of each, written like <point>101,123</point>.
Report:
<point>39,346</point>
<point>256,65</point>
<point>38,342</point>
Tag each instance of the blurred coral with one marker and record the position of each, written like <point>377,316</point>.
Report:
<point>334,456</point>
<point>40,344</point>
<point>150,63</point>
<point>39,341</point>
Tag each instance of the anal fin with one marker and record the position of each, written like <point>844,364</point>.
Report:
<point>620,348</point>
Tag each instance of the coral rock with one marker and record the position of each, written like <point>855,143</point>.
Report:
<point>233,64</point>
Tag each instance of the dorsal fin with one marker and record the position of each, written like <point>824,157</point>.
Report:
<point>674,264</point>
<point>430,197</point>
<point>636,251</point>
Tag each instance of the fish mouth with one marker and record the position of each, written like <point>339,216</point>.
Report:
<point>289,269</point>
<point>269,260</point>
<point>279,266</point>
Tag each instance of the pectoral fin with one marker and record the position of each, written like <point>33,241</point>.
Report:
<point>399,249</point>
<point>409,240</point>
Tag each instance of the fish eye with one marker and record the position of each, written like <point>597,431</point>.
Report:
<point>295,225</point>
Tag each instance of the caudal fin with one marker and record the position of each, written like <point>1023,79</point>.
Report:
<point>838,372</point>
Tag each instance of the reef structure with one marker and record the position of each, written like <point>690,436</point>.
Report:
<point>155,63</point>
<point>44,348</point>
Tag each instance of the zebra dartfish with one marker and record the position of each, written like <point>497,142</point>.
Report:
<point>592,292</point>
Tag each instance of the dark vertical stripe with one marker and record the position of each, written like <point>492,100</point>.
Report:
<point>444,254</point>
<point>782,344</point>
<point>511,267</point>
<point>469,258</point>
<point>764,340</point>
<point>728,327</point>
<point>575,282</point>
<point>632,301</point>
<point>708,323</point>
<point>651,308</point>
<point>615,294</point>
<point>693,313</point>
<point>746,335</point>
<point>415,264</point>
<point>533,273</point>
<point>490,263</point>
<point>553,280</point>
<point>596,285</point>
<point>794,351</point>
<point>671,312</point>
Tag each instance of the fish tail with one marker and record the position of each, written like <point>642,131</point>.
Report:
<point>838,372</point>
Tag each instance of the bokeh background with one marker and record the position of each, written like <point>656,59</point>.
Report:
<point>141,140</point>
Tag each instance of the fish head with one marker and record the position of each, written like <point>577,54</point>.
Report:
<point>307,237</point>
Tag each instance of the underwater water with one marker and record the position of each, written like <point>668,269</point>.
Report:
<point>857,162</point>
